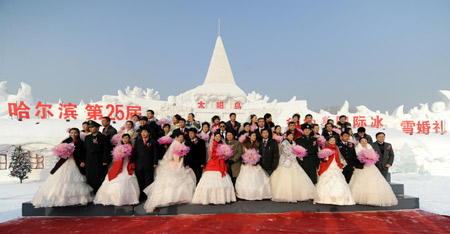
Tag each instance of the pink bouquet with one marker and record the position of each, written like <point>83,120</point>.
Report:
<point>165,140</point>
<point>337,130</point>
<point>243,137</point>
<point>117,139</point>
<point>64,150</point>
<point>181,150</point>
<point>203,136</point>
<point>122,128</point>
<point>252,128</point>
<point>320,140</point>
<point>278,139</point>
<point>224,151</point>
<point>353,142</point>
<point>368,156</point>
<point>121,151</point>
<point>83,136</point>
<point>163,121</point>
<point>325,153</point>
<point>214,129</point>
<point>299,151</point>
<point>251,157</point>
<point>300,130</point>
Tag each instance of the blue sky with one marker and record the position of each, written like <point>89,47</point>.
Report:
<point>376,53</point>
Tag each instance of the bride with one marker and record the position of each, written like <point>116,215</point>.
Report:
<point>368,185</point>
<point>332,187</point>
<point>66,186</point>
<point>174,184</point>
<point>289,181</point>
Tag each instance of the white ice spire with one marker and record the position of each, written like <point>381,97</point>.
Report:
<point>219,71</point>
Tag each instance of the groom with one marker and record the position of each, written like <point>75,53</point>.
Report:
<point>386,153</point>
<point>196,157</point>
<point>268,148</point>
<point>145,159</point>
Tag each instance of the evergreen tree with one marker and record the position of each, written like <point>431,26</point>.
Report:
<point>20,164</point>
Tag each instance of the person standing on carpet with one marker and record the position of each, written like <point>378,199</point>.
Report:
<point>66,185</point>
<point>368,185</point>
<point>196,157</point>
<point>332,187</point>
<point>145,158</point>
<point>253,182</point>
<point>289,181</point>
<point>174,183</point>
<point>96,156</point>
<point>120,186</point>
<point>215,186</point>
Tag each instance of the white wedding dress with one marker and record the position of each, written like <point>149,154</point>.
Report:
<point>122,190</point>
<point>289,181</point>
<point>66,187</point>
<point>253,183</point>
<point>369,187</point>
<point>174,184</point>
<point>332,187</point>
<point>213,188</point>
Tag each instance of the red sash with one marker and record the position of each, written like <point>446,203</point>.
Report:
<point>335,156</point>
<point>116,168</point>
<point>214,163</point>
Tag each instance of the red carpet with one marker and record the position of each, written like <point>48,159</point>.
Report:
<point>412,221</point>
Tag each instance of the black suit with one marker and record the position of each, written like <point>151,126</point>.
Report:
<point>178,130</point>
<point>386,156</point>
<point>196,157</point>
<point>270,155</point>
<point>222,133</point>
<point>96,151</point>
<point>144,157</point>
<point>234,129</point>
<point>258,133</point>
<point>333,133</point>
<point>348,152</point>
<point>311,162</point>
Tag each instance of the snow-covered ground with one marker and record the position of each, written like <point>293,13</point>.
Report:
<point>12,196</point>
<point>432,191</point>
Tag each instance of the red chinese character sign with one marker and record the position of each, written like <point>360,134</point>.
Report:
<point>22,111</point>
<point>201,105</point>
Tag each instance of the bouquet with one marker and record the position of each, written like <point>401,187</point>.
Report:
<point>353,142</point>
<point>252,128</point>
<point>251,157</point>
<point>224,151</point>
<point>163,121</point>
<point>243,137</point>
<point>278,139</point>
<point>337,130</point>
<point>214,129</point>
<point>64,150</point>
<point>181,150</point>
<point>203,136</point>
<point>368,156</point>
<point>116,139</point>
<point>165,140</point>
<point>300,130</point>
<point>121,151</point>
<point>83,136</point>
<point>299,151</point>
<point>320,140</point>
<point>325,153</point>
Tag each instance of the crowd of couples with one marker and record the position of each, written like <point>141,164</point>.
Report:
<point>165,162</point>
